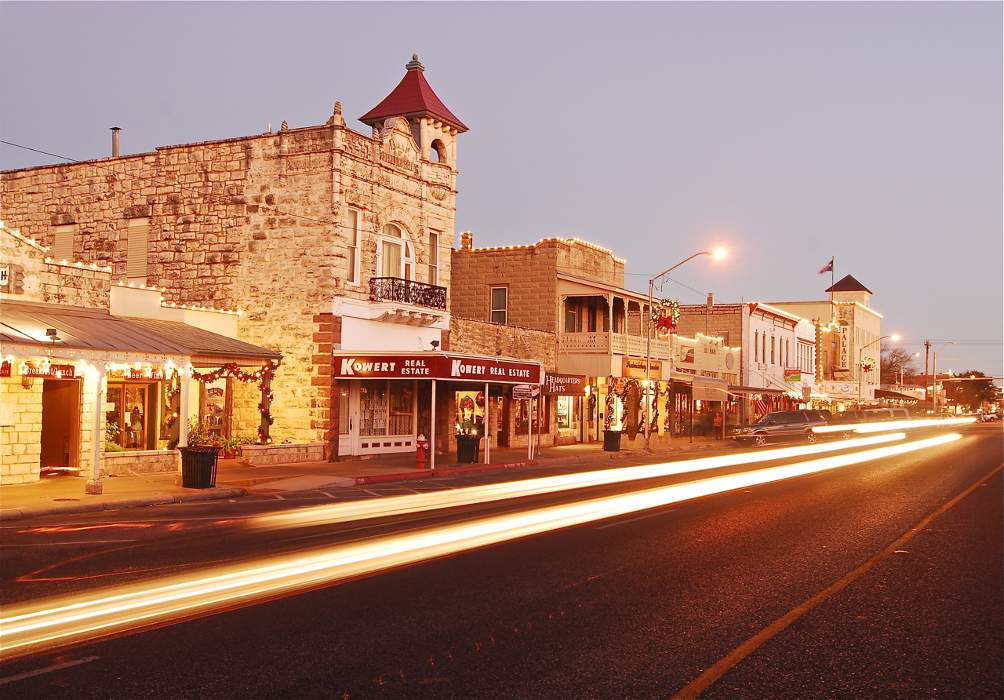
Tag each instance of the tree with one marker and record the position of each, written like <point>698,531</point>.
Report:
<point>892,362</point>
<point>971,393</point>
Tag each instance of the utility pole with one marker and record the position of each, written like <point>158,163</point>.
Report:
<point>927,377</point>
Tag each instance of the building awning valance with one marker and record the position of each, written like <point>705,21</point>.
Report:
<point>437,365</point>
<point>26,324</point>
<point>757,390</point>
<point>886,394</point>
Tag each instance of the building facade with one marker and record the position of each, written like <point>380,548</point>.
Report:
<point>848,347</point>
<point>332,241</point>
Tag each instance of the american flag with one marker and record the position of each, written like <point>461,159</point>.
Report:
<point>761,407</point>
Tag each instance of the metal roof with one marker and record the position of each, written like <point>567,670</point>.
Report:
<point>96,329</point>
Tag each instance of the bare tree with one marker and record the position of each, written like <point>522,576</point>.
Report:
<point>894,361</point>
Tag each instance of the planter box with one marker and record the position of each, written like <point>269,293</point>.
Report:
<point>139,462</point>
<point>267,455</point>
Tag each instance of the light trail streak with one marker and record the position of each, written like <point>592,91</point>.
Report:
<point>415,503</point>
<point>33,626</point>
<point>883,426</point>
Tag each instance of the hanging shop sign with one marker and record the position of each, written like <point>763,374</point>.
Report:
<point>635,367</point>
<point>565,384</point>
<point>5,368</point>
<point>45,369</point>
<point>525,391</point>
<point>427,366</point>
<point>708,389</point>
<point>792,375</point>
<point>4,276</point>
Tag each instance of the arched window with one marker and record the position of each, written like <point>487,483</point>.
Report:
<point>395,254</point>
<point>437,151</point>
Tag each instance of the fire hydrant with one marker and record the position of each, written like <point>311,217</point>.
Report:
<point>420,452</point>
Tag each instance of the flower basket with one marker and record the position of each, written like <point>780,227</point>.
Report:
<point>198,466</point>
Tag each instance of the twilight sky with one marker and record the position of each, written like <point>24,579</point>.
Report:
<point>788,132</point>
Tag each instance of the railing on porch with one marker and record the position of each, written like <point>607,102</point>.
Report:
<point>622,344</point>
<point>407,292</point>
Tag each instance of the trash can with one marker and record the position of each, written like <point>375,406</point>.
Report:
<point>467,448</point>
<point>198,466</point>
<point>611,441</point>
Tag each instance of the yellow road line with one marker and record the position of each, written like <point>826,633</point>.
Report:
<point>730,660</point>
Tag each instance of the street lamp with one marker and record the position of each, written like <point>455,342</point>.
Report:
<point>893,337</point>
<point>715,254</point>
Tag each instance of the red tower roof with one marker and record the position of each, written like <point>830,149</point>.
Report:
<point>413,97</point>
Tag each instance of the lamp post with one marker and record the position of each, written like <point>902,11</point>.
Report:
<point>715,254</point>
<point>894,337</point>
<point>901,367</point>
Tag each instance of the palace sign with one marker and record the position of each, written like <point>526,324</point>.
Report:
<point>436,366</point>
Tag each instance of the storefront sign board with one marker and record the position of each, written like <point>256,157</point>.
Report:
<point>635,367</point>
<point>708,389</point>
<point>525,391</point>
<point>792,375</point>
<point>58,371</point>
<point>565,384</point>
<point>428,366</point>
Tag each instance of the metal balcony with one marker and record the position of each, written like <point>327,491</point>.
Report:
<point>408,292</point>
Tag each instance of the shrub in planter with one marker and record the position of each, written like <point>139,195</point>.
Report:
<point>198,460</point>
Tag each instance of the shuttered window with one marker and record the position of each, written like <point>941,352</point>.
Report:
<point>137,248</point>
<point>63,243</point>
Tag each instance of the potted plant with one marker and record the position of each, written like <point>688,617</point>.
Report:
<point>231,447</point>
<point>198,459</point>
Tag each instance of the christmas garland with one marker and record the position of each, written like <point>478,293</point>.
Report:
<point>262,377</point>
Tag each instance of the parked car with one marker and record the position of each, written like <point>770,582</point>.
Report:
<point>782,426</point>
<point>869,415</point>
<point>989,417</point>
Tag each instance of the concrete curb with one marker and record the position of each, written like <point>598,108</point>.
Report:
<point>84,507</point>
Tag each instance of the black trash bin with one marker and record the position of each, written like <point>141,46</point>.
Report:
<point>198,466</point>
<point>467,449</point>
<point>611,441</point>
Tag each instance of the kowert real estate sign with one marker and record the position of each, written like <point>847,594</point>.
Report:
<point>438,366</point>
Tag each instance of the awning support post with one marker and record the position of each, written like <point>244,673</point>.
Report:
<point>93,485</point>
<point>432,431</point>
<point>183,374</point>
<point>488,439</point>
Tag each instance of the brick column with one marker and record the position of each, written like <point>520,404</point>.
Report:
<point>324,402</point>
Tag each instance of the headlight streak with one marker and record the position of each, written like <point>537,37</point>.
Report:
<point>883,426</point>
<point>415,503</point>
<point>32,626</point>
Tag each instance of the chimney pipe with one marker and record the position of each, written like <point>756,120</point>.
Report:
<point>115,141</point>
<point>466,240</point>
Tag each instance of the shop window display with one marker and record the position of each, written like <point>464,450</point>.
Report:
<point>522,418</point>
<point>128,418</point>
<point>470,418</point>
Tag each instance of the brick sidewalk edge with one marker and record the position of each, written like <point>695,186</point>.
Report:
<point>84,507</point>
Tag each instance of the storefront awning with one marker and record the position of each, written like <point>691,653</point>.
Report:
<point>886,394</point>
<point>757,390</point>
<point>437,365</point>
<point>26,323</point>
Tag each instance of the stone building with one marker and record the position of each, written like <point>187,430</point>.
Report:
<point>574,291</point>
<point>96,376</point>
<point>330,240</point>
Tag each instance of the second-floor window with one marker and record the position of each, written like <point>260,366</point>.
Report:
<point>499,305</point>
<point>773,349</point>
<point>433,257</point>
<point>394,253</point>
<point>63,243</point>
<point>756,346</point>
<point>571,318</point>
<point>137,249</point>
<point>352,247</point>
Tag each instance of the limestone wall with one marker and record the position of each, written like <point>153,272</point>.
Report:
<point>35,280</point>
<point>256,223</point>
<point>482,338</point>
<point>20,430</point>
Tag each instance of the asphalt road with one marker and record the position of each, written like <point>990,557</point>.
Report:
<point>636,606</point>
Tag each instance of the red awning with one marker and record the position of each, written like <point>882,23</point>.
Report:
<point>436,365</point>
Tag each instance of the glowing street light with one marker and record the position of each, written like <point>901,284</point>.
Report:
<point>718,254</point>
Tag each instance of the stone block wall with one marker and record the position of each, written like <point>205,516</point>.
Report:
<point>482,338</point>
<point>20,441</point>
<point>35,280</point>
<point>724,320</point>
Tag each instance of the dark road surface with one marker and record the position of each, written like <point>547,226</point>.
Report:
<point>636,606</point>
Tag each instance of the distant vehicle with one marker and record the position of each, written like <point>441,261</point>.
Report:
<point>989,417</point>
<point>782,426</point>
<point>869,415</point>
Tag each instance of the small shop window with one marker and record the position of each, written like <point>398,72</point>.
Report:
<point>352,251</point>
<point>130,416</point>
<point>373,407</point>
<point>470,419</point>
<point>522,418</point>
<point>565,411</point>
<point>216,407</point>
<point>499,305</point>
<point>402,402</point>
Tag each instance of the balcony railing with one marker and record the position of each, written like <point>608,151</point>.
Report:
<point>620,344</point>
<point>408,292</point>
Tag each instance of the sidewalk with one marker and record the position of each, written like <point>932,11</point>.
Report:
<point>65,495</point>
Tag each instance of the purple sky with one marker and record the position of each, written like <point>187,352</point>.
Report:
<point>789,132</point>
